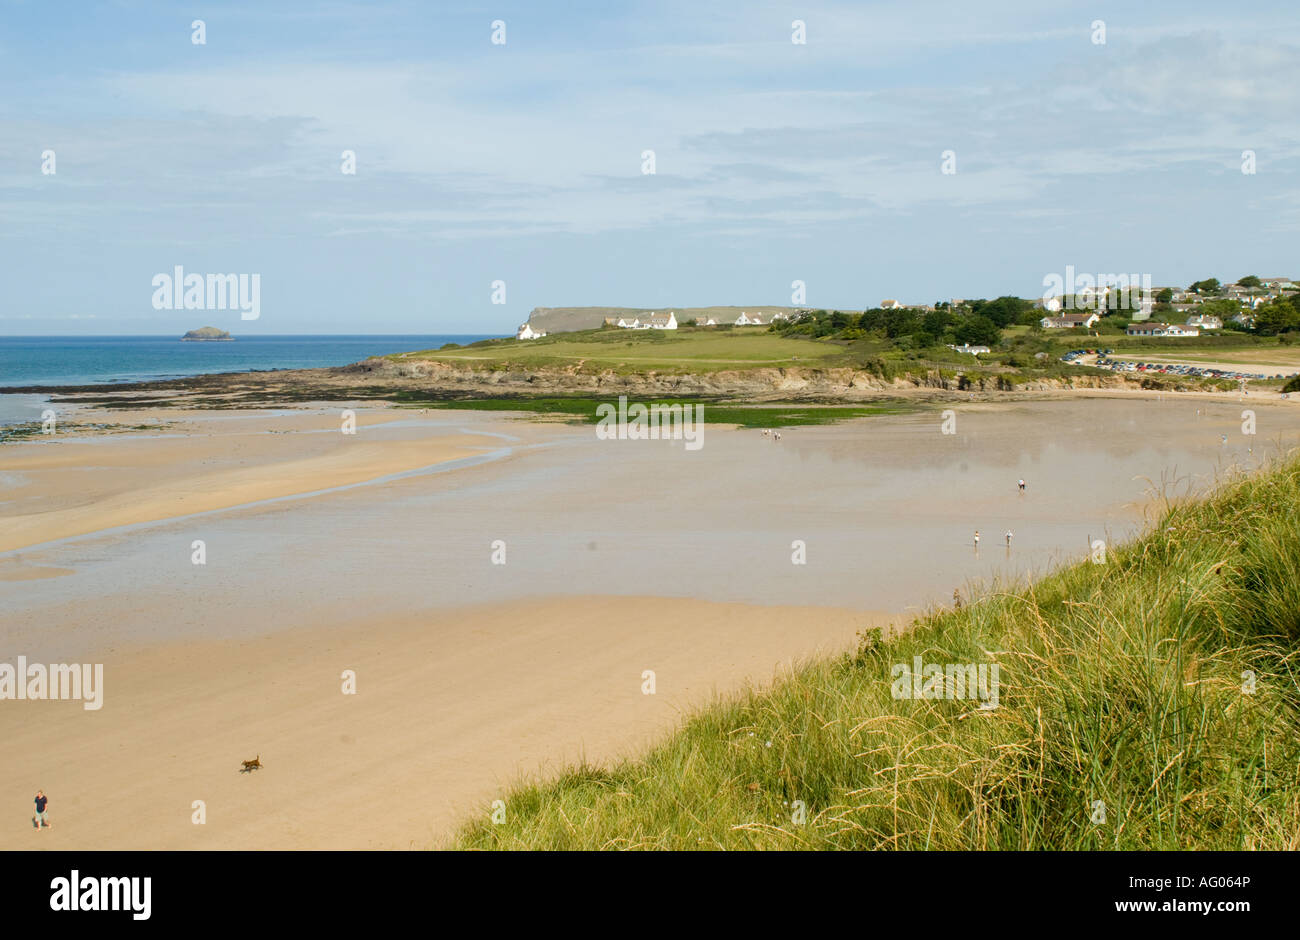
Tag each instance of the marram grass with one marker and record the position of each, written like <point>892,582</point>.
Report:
<point>1125,685</point>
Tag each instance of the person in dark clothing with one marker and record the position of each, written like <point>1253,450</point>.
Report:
<point>39,819</point>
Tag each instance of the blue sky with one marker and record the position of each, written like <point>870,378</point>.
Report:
<point>521,162</point>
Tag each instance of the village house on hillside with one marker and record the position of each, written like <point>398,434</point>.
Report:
<point>1161,329</point>
<point>749,319</point>
<point>653,321</point>
<point>1205,321</point>
<point>526,331</point>
<point>1069,321</point>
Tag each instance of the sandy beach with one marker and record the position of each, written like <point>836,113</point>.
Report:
<point>499,587</point>
<point>448,710</point>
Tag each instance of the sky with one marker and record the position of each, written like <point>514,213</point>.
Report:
<point>521,162</point>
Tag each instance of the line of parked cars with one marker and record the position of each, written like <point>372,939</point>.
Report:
<point>1159,368</point>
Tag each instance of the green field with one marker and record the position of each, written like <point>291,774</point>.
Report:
<point>1246,357</point>
<point>630,351</point>
<point>1159,685</point>
<point>583,410</point>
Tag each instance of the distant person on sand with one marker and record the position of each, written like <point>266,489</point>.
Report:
<point>1022,486</point>
<point>977,538</point>
<point>1009,534</point>
<point>39,819</point>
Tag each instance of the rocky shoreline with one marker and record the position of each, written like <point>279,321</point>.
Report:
<point>423,379</point>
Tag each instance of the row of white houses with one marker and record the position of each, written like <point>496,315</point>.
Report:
<point>653,321</point>
<point>1195,323</point>
<point>658,321</point>
<point>668,321</point>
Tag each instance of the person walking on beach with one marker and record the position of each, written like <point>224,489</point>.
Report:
<point>1022,486</point>
<point>1009,534</point>
<point>977,538</point>
<point>39,819</point>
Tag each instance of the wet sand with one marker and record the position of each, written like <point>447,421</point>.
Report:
<point>619,556</point>
<point>196,464</point>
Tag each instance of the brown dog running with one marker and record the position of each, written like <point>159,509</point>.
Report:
<point>251,765</point>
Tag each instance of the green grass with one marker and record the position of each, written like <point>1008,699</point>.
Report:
<point>583,410</point>
<point>632,351</point>
<point>1121,682</point>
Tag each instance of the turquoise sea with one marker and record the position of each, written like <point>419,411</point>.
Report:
<point>88,360</point>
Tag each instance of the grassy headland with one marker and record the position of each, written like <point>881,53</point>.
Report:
<point>1020,355</point>
<point>633,351</point>
<point>1160,684</point>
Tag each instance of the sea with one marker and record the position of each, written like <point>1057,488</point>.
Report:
<point>93,360</point>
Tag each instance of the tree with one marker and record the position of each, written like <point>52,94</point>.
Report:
<point>872,319</point>
<point>1005,310</point>
<point>900,322</point>
<point>1208,286</point>
<point>978,330</point>
<point>1249,280</point>
<point>937,322</point>
<point>1124,300</point>
<point>1165,295</point>
<point>1222,307</point>
<point>1277,317</point>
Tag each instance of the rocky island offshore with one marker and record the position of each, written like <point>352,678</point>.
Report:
<point>206,334</point>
